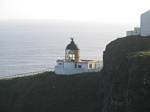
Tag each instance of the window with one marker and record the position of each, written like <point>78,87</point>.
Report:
<point>79,66</point>
<point>60,63</point>
<point>75,65</point>
<point>90,65</point>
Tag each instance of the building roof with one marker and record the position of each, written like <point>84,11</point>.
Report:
<point>145,13</point>
<point>72,45</point>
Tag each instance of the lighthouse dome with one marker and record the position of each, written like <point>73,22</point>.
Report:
<point>72,45</point>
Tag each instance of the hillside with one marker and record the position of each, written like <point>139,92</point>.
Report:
<point>125,84</point>
<point>48,92</point>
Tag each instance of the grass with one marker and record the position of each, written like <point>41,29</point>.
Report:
<point>47,92</point>
<point>140,54</point>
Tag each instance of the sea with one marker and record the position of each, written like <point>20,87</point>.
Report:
<point>31,46</point>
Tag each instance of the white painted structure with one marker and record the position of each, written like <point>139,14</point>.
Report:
<point>145,24</point>
<point>134,32</point>
<point>144,29</point>
<point>72,63</point>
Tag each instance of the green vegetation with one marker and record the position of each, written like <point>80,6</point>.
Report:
<point>48,92</point>
<point>140,54</point>
<point>126,78</point>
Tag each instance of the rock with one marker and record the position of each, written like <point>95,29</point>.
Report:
<point>117,72</point>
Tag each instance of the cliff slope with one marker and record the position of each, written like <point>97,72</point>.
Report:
<point>48,92</point>
<point>126,75</point>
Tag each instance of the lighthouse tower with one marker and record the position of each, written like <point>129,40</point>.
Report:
<point>72,52</point>
<point>72,64</point>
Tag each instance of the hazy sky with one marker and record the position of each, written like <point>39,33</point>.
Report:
<point>124,11</point>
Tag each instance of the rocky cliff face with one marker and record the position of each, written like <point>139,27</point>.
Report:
<point>126,78</point>
<point>138,92</point>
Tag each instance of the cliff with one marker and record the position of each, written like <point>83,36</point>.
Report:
<point>48,92</point>
<point>126,75</point>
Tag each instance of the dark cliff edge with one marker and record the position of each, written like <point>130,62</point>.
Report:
<point>122,86</point>
<point>126,75</point>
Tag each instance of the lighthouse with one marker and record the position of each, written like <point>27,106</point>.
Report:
<point>72,64</point>
<point>72,52</point>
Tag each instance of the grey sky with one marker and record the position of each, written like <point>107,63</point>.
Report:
<point>125,11</point>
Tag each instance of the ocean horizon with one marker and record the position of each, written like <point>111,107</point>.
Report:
<point>35,46</point>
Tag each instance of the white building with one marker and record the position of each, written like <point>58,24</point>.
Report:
<point>134,32</point>
<point>145,24</point>
<point>72,63</point>
<point>144,29</point>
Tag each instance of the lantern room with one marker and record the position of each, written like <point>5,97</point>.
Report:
<point>72,52</point>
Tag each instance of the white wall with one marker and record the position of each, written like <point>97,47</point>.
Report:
<point>145,24</point>
<point>134,32</point>
<point>68,68</point>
